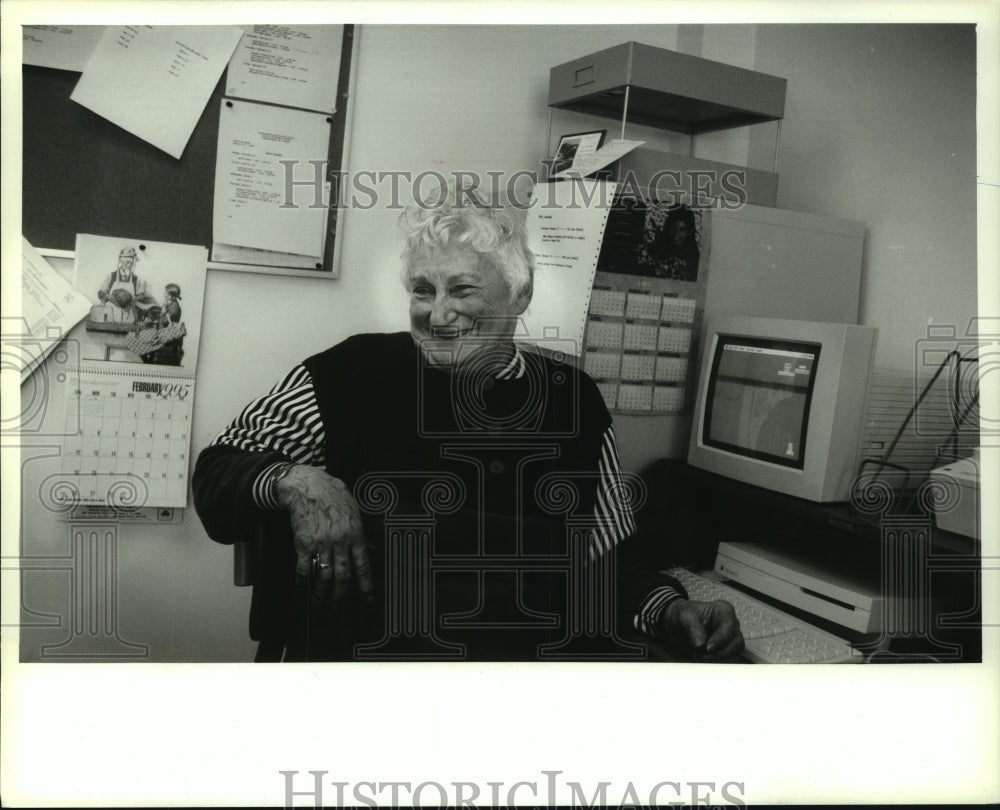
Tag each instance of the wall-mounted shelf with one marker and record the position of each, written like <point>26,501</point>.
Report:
<point>666,89</point>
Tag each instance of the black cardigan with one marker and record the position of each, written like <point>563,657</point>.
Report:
<point>471,489</point>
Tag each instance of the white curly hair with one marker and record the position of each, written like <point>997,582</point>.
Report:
<point>492,229</point>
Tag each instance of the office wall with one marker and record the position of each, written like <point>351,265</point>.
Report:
<point>880,127</point>
<point>465,98</point>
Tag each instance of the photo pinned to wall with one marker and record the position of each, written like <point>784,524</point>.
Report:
<point>647,304</point>
<point>654,239</point>
<point>672,242</point>
<point>575,147</point>
<point>147,300</point>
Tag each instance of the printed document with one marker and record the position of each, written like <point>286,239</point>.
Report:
<point>270,178</point>
<point>293,65</point>
<point>50,308</point>
<point>63,47</point>
<point>566,223</point>
<point>155,81</point>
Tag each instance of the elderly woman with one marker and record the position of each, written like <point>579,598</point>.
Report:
<point>483,566</point>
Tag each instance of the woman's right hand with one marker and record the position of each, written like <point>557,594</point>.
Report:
<point>326,525</point>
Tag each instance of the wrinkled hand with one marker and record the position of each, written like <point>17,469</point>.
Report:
<point>709,631</point>
<point>326,524</point>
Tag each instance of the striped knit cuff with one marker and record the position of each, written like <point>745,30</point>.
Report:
<point>650,614</point>
<point>261,488</point>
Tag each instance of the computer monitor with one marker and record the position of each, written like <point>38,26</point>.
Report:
<point>781,403</point>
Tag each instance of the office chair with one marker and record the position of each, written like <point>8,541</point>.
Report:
<point>246,563</point>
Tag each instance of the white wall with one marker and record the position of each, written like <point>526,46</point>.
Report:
<point>880,127</point>
<point>877,129</point>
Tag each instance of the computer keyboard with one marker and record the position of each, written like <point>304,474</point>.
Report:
<point>771,636</point>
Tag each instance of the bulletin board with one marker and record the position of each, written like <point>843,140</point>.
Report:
<point>83,174</point>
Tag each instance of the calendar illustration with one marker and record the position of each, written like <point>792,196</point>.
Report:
<point>132,442</point>
<point>125,424</point>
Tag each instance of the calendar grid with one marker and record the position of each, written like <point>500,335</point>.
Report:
<point>637,347</point>
<point>130,444</point>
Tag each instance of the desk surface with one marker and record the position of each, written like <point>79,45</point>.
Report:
<point>689,511</point>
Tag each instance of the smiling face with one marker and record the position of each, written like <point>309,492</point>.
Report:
<point>460,306</point>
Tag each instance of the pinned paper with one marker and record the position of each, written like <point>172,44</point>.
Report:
<point>586,164</point>
<point>293,65</point>
<point>155,81</point>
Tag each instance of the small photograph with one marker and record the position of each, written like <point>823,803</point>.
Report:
<point>652,239</point>
<point>671,242</point>
<point>575,146</point>
<point>147,300</point>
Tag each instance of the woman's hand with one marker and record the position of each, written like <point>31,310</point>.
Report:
<point>326,525</point>
<point>709,631</point>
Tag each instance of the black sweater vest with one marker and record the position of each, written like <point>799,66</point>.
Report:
<point>491,475</point>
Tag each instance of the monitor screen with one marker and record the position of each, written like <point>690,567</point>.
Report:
<point>759,393</point>
<point>780,403</point>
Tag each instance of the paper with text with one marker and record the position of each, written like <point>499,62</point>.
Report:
<point>122,514</point>
<point>270,187</point>
<point>50,308</point>
<point>294,65</point>
<point>566,223</point>
<point>63,47</point>
<point>255,257</point>
<point>154,81</point>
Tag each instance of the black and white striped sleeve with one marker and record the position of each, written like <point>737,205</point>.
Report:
<point>612,510</point>
<point>650,614</point>
<point>286,420</point>
<point>614,523</point>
